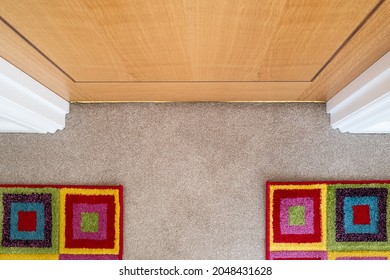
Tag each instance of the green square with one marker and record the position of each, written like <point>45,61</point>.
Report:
<point>296,215</point>
<point>89,222</point>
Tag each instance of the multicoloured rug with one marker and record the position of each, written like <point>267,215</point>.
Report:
<point>61,222</point>
<point>328,220</point>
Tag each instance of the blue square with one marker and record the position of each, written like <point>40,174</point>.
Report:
<point>16,207</point>
<point>350,227</point>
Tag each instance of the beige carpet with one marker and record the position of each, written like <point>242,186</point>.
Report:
<point>194,174</point>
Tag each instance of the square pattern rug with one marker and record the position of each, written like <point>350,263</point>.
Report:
<point>328,220</point>
<point>61,222</point>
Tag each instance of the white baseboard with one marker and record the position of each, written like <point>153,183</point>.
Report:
<point>26,106</point>
<point>363,106</point>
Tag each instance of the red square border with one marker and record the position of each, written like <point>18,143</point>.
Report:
<point>315,195</point>
<point>71,200</point>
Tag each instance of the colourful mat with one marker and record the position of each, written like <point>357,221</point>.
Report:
<point>61,222</point>
<point>343,220</point>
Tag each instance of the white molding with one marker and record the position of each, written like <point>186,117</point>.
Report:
<point>26,106</point>
<point>363,106</point>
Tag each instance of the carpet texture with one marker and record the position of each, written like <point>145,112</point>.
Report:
<point>194,174</point>
<point>328,220</point>
<point>60,222</point>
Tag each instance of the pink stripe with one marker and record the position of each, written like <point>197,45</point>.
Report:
<point>101,210</point>
<point>308,227</point>
<point>299,255</point>
<point>88,257</point>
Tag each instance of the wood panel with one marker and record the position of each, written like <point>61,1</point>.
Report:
<point>188,91</point>
<point>369,44</point>
<point>187,40</point>
<point>18,52</point>
<point>197,46</point>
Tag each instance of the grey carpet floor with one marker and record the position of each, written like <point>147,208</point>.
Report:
<point>194,174</point>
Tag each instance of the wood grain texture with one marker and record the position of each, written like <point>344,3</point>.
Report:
<point>19,53</point>
<point>368,45</point>
<point>194,50</point>
<point>188,92</point>
<point>187,40</point>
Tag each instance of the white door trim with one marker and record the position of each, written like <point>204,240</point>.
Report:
<point>26,105</point>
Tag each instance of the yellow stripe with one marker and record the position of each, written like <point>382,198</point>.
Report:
<point>29,257</point>
<point>358,254</point>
